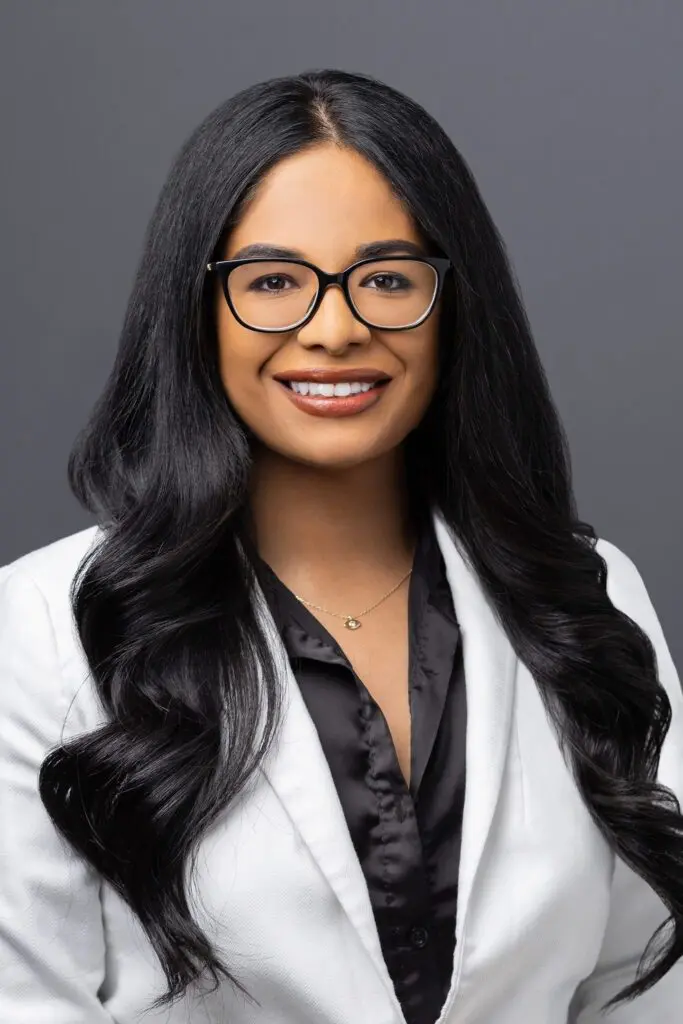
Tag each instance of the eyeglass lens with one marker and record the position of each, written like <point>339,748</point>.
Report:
<point>278,294</point>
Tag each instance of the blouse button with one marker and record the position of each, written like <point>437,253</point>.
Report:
<point>419,937</point>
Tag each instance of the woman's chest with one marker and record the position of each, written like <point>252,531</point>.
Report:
<point>379,654</point>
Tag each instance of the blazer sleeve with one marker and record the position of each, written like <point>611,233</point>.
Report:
<point>636,911</point>
<point>52,948</point>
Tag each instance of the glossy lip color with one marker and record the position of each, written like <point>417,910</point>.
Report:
<point>348,405</point>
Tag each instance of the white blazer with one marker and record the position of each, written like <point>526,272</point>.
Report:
<point>549,925</point>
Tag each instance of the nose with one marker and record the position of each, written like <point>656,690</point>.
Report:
<point>333,327</point>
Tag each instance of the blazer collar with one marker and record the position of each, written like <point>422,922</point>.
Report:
<point>298,772</point>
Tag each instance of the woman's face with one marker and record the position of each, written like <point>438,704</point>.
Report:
<point>325,203</point>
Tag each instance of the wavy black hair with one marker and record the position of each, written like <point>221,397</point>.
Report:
<point>165,607</point>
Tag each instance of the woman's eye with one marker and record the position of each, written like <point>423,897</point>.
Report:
<point>385,282</point>
<point>256,285</point>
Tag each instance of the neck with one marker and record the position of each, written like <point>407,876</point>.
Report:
<point>325,531</point>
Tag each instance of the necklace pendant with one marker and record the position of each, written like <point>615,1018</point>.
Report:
<point>352,623</point>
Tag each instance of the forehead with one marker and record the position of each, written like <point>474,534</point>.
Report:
<point>325,202</point>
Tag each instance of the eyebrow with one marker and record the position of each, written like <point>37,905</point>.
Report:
<point>368,250</point>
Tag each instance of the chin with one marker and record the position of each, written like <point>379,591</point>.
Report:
<point>338,458</point>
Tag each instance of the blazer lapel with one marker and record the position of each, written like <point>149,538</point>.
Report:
<point>490,670</point>
<point>297,769</point>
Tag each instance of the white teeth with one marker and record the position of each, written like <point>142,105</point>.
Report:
<point>328,390</point>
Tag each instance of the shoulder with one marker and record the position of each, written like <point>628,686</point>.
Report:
<point>620,566</point>
<point>626,587</point>
<point>628,592</point>
<point>35,599</point>
<point>50,563</point>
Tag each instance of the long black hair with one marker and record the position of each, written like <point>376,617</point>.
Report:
<point>164,605</point>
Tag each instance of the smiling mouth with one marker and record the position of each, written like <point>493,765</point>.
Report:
<point>339,399</point>
<point>326,382</point>
<point>326,389</point>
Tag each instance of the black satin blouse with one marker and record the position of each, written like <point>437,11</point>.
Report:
<point>407,840</point>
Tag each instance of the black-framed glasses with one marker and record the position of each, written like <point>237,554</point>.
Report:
<point>392,293</point>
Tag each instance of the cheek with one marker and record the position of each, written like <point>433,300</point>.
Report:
<point>422,369</point>
<point>241,385</point>
<point>420,395</point>
<point>240,359</point>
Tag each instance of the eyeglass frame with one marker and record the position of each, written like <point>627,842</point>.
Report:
<point>223,268</point>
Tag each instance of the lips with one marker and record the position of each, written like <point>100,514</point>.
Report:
<point>335,406</point>
<point>317,375</point>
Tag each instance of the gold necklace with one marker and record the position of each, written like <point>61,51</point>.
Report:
<point>352,621</point>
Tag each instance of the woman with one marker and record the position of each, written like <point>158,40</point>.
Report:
<point>351,719</point>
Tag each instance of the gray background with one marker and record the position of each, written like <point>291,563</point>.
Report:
<point>568,114</point>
